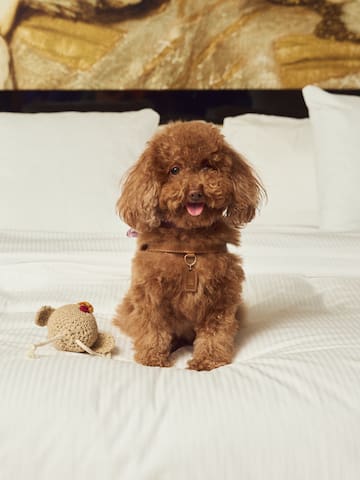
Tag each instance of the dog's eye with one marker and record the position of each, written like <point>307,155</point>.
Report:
<point>175,170</point>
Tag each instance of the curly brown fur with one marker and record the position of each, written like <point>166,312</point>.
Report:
<point>188,192</point>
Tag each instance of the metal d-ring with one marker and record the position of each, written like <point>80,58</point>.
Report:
<point>190,260</point>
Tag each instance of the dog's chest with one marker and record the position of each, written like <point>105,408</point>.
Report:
<point>191,284</point>
<point>186,292</point>
<point>188,273</point>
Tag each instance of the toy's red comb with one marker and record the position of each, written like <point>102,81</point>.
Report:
<point>86,307</point>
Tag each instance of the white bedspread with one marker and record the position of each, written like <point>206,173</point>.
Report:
<point>287,408</point>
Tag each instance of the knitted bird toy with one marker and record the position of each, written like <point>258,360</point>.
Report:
<point>73,328</point>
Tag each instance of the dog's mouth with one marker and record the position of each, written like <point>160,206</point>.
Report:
<point>195,209</point>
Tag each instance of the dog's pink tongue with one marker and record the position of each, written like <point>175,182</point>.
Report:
<point>195,209</point>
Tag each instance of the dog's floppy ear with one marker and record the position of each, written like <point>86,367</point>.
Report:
<point>138,202</point>
<point>247,190</point>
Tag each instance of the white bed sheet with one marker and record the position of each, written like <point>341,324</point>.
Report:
<point>287,408</point>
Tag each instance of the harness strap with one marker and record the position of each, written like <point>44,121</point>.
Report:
<point>190,280</point>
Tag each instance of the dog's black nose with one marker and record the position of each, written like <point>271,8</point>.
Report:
<point>196,196</point>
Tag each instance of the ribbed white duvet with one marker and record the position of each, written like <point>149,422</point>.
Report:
<point>288,408</point>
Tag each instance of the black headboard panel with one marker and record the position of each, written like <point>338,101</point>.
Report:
<point>210,105</point>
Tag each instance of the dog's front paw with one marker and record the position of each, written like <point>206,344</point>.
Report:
<point>152,359</point>
<point>206,363</point>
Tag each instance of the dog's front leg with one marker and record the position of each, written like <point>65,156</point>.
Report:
<point>214,342</point>
<point>153,347</point>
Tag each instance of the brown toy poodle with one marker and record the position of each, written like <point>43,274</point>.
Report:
<point>187,197</point>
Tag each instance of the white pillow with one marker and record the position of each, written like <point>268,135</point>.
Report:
<point>335,121</point>
<point>281,151</point>
<point>61,171</point>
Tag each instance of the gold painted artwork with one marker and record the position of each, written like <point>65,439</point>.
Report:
<point>179,44</point>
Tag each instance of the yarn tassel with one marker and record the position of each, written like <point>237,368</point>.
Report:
<point>32,350</point>
<point>90,351</point>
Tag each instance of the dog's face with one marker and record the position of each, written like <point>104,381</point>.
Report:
<point>196,185</point>
<point>189,177</point>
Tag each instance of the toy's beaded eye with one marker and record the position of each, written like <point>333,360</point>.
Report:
<point>175,170</point>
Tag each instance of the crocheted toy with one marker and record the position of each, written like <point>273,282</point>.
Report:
<point>73,328</point>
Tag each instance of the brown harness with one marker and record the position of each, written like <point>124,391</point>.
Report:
<point>190,277</point>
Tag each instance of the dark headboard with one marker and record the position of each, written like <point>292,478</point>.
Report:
<point>210,105</point>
